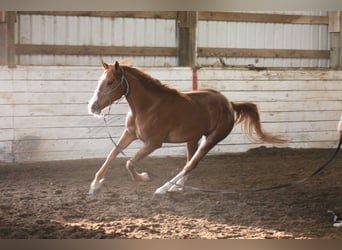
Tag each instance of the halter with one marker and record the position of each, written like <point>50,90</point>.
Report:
<point>122,81</point>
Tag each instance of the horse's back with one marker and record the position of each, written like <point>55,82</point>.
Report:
<point>208,97</point>
<point>213,103</point>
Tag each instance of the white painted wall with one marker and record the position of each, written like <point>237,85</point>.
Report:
<point>43,109</point>
<point>44,113</point>
<point>302,106</point>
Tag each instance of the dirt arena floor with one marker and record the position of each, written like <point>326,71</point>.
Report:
<point>49,200</point>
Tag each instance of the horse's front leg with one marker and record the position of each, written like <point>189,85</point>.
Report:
<point>126,139</point>
<point>147,149</point>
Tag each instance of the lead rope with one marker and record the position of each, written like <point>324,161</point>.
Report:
<point>289,184</point>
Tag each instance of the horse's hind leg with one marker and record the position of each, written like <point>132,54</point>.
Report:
<point>126,139</point>
<point>206,144</point>
<point>192,146</point>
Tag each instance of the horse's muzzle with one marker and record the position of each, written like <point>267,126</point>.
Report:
<point>93,108</point>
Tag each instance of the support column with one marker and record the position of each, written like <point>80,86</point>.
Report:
<point>3,38</point>
<point>187,38</point>
<point>335,22</point>
<point>11,18</point>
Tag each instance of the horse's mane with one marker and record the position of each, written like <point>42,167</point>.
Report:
<point>149,82</point>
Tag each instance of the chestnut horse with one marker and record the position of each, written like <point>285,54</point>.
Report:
<point>159,114</point>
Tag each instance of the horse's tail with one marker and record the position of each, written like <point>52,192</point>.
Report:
<point>248,113</point>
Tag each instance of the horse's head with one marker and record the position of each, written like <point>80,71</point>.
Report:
<point>112,86</point>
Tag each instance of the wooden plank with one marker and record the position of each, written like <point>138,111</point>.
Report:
<point>85,145</point>
<point>72,86</point>
<point>218,149</point>
<point>70,155</point>
<point>286,85</point>
<point>117,120</point>
<point>267,75</point>
<point>51,98</point>
<point>40,49</point>
<point>100,132</point>
<point>101,152</point>
<point>307,105</point>
<point>34,145</point>
<point>42,110</point>
<point>6,122</point>
<point>87,73</point>
<point>288,127</point>
<point>298,137</point>
<point>6,111</point>
<point>253,96</point>
<point>267,53</point>
<point>64,86</point>
<point>299,116</point>
<point>64,122</point>
<point>100,147</point>
<point>70,73</point>
<point>6,134</point>
<point>94,132</point>
<point>113,14</point>
<point>262,17</point>
<point>60,109</point>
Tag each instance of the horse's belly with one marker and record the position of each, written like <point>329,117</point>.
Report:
<point>187,130</point>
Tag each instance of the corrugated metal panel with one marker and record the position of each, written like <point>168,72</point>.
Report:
<point>69,30</point>
<point>265,35</point>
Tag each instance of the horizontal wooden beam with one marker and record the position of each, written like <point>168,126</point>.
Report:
<point>206,15</point>
<point>262,17</point>
<point>132,14</point>
<point>273,53</point>
<point>30,49</point>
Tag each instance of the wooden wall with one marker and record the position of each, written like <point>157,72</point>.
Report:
<point>44,113</point>
<point>303,106</point>
<point>43,109</point>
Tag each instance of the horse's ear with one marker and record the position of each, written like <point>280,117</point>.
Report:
<point>117,66</point>
<point>104,65</point>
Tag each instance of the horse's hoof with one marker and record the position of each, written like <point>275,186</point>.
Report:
<point>175,188</point>
<point>145,177</point>
<point>95,187</point>
<point>93,191</point>
<point>161,190</point>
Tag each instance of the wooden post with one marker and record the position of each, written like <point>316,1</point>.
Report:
<point>11,17</point>
<point>187,45</point>
<point>3,38</point>
<point>340,42</point>
<point>335,39</point>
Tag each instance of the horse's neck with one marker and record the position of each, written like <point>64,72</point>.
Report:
<point>139,98</point>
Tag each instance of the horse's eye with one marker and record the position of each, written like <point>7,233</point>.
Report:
<point>110,83</point>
